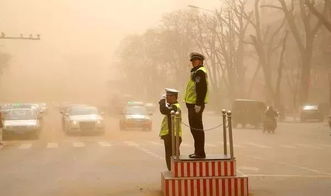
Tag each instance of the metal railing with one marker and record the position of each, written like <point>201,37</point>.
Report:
<point>227,133</point>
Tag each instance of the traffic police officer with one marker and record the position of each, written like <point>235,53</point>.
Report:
<point>167,104</point>
<point>195,99</point>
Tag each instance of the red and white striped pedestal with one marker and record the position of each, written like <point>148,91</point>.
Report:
<point>204,186</point>
<point>212,165</point>
<point>213,176</point>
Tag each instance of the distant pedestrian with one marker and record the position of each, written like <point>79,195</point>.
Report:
<point>195,99</point>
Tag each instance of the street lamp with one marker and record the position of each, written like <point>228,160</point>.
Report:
<point>200,8</point>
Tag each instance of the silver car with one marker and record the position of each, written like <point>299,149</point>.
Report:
<point>83,119</point>
<point>21,121</point>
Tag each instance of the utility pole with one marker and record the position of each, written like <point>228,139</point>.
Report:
<point>22,37</point>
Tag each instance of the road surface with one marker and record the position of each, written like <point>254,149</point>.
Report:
<point>293,161</point>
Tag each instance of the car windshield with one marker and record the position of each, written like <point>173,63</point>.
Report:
<point>310,107</point>
<point>83,111</point>
<point>20,115</point>
<point>136,110</point>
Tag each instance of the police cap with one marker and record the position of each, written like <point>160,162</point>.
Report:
<point>171,91</point>
<point>195,55</point>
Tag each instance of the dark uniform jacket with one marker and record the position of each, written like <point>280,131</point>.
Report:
<point>200,83</point>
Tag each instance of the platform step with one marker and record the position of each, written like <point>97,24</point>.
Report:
<point>204,186</point>
<point>212,165</point>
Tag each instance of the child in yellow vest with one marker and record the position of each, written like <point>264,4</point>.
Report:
<point>167,104</point>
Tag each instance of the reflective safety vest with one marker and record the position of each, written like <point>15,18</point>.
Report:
<point>190,93</point>
<point>164,125</point>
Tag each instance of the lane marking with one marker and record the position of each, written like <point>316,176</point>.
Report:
<point>25,146</point>
<point>185,145</point>
<point>133,144</point>
<point>211,145</point>
<point>309,146</point>
<point>156,143</point>
<point>104,144</point>
<point>292,165</point>
<point>78,144</point>
<point>256,157</point>
<point>150,153</point>
<point>237,146</point>
<point>255,169</point>
<point>288,146</point>
<point>259,145</point>
<point>303,168</point>
<point>52,145</point>
<point>130,143</point>
<point>241,172</point>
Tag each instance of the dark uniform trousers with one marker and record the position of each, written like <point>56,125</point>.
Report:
<point>168,148</point>
<point>195,121</point>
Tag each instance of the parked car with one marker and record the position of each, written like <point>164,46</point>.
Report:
<point>21,121</point>
<point>83,119</point>
<point>136,116</point>
<point>311,112</point>
<point>248,112</point>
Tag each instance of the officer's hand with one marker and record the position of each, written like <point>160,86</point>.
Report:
<point>162,101</point>
<point>197,108</point>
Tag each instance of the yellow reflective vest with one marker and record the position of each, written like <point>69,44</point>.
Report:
<point>164,125</point>
<point>190,92</point>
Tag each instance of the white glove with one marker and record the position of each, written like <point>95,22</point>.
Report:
<point>197,108</point>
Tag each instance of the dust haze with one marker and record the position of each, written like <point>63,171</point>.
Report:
<point>74,60</point>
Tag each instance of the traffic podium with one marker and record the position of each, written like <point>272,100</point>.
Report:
<point>214,175</point>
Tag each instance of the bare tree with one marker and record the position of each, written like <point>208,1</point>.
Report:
<point>325,20</point>
<point>304,37</point>
<point>268,46</point>
<point>220,36</point>
<point>157,58</point>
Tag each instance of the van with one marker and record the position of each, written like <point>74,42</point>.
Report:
<point>248,112</point>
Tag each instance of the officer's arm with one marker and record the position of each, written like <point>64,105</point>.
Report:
<point>201,87</point>
<point>174,107</point>
<point>163,108</point>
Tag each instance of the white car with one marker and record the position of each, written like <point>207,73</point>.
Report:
<point>136,116</point>
<point>83,119</point>
<point>21,121</point>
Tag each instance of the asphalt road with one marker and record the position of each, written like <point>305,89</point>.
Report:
<point>295,161</point>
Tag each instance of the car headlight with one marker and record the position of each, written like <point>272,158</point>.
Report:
<point>74,124</point>
<point>99,123</point>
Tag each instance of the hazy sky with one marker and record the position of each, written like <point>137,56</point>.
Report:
<point>79,38</point>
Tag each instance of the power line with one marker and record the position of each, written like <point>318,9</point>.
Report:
<point>21,37</point>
